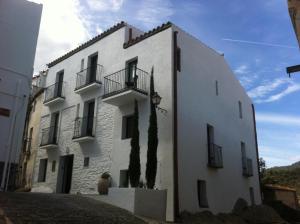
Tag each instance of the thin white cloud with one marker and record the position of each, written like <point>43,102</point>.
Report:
<point>290,89</point>
<point>242,69</point>
<point>64,25</point>
<point>267,88</point>
<point>259,43</point>
<point>105,5</point>
<point>278,119</point>
<point>154,12</point>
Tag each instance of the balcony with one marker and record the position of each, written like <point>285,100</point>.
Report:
<point>49,138</point>
<point>124,86</point>
<point>247,167</point>
<point>83,129</point>
<point>54,94</point>
<point>88,79</point>
<point>215,158</point>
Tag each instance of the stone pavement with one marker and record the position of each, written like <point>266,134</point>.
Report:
<point>42,208</point>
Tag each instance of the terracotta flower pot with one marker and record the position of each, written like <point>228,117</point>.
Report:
<point>103,185</point>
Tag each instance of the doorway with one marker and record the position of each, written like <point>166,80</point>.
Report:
<point>64,178</point>
<point>93,60</point>
<point>131,76</point>
<point>59,84</point>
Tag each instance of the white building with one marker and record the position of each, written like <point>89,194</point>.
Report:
<point>207,152</point>
<point>19,28</point>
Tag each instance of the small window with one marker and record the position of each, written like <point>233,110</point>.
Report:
<point>123,178</point>
<point>202,197</point>
<point>42,170</point>
<point>240,110</point>
<point>86,162</point>
<point>127,127</point>
<point>53,166</point>
<point>217,88</point>
<point>251,191</point>
<point>178,58</point>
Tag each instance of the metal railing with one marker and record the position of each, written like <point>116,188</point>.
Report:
<point>83,126</point>
<point>215,158</point>
<point>247,167</point>
<point>125,79</point>
<point>49,136</point>
<point>54,91</point>
<point>88,76</point>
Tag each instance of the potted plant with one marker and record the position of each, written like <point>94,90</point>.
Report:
<point>104,183</point>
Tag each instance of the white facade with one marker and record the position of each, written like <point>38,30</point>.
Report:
<point>197,106</point>
<point>19,27</point>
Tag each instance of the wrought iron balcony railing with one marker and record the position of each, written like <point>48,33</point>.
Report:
<point>89,76</point>
<point>54,91</point>
<point>247,167</point>
<point>83,127</point>
<point>125,79</point>
<point>49,136</point>
<point>215,158</point>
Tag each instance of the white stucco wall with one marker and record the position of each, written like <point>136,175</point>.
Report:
<point>19,27</point>
<point>198,105</point>
<point>108,152</point>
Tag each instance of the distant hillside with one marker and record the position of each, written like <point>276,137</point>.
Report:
<point>294,165</point>
<point>284,175</point>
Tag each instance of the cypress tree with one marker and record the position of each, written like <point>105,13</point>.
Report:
<point>134,169</point>
<point>151,166</point>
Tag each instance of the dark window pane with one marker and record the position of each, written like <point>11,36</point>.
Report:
<point>86,162</point>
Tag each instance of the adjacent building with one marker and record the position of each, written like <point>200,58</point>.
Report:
<point>19,28</point>
<point>207,151</point>
<point>31,141</point>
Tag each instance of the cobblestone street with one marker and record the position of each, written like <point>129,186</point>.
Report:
<point>59,208</point>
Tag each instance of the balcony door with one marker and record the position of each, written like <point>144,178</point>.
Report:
<point>59,84</point>
<point>210,142</point>
<point>92,70</point>
<point>89,118</point>
<point>131,66</point>
<point>54,128</point>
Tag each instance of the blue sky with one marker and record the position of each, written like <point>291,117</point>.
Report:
<point>256,37</point>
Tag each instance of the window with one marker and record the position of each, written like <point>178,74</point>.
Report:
<point>123,178</point>
<point>217,88</point>
<point>178,58</point>
<point>86,162</point>
<point>92,71</point>
<point>53,165</point>
<point>88,120</point>
<point>240,110</point>
<point>202,197</point>
<point>131,76</point>
<point>42,170</point>
<point>54,128</point>
<point>215,158</point>
<point>127,127</point>
<point>251,191</point>
<point>244,158</point>
<point>59,84</point>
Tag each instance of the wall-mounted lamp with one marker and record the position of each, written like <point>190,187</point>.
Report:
<point>156,98</point>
